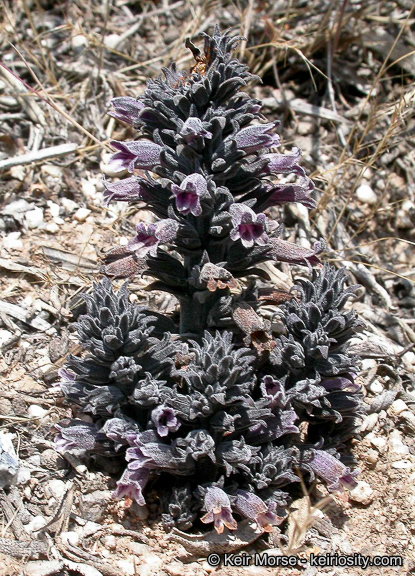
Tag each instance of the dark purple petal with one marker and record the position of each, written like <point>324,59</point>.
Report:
<point>218,507</point>
<point>189,193</point>
<point>287,193</point>
<point>248,227</point>
<point>76,436</point>
<point>140,154</point>
<point>164,419</point>
<point>193,128</point>
<point>252,507</point>
<point>126,109</point>
<point>257,137</point>
<point>125,190</point>
<point>284,163</point>
<point>283,251</point>
<point>332,471</point>
<point>131,485</point>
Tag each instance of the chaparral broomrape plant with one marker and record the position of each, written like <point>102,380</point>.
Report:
<point>217,412</point>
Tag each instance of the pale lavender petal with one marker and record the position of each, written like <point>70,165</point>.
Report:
<point>126,109</point>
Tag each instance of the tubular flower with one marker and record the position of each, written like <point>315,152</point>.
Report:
<point>248,227</point>
<point>189,193</point>
<point>126,109</point>
<point>254,138</point>
<point>139,154</point>
<point>219,510</point>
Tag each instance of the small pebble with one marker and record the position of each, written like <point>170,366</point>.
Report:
<point>34,218</point>
<point>362,493</point>
<point>18,173</point>
<point>395,443</point>
<point>69,205</point>
<point>376,387</point>
<point>79,42</point>
<point>128,568</point>
<point>50,170</point>
<point>43,568</point>
<point>55,488</point>
<point>368,363</point>
<point>9,102</point>
<point>5,336</point>
<point>112,40</point>
<point>110,542</point>
<point>88,188</point>
<point>366,195</point>
<point>13,242</point>
<point>369,422</point>
<point>71,538</point>
<point>52,228</point>
<point>53,208</point>
<point>402,465</point>
<point>379,442</point>
<point>36,524</point>
<point>91,528</point>
<point>35,411</point>
<point>397,407</point>
<point>82,214</point>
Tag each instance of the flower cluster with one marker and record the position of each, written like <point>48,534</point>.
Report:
<point>214,403</point>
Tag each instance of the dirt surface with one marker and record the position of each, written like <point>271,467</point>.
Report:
<point>340,78</point>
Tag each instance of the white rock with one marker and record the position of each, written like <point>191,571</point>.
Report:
<point>34,218</point>
<point>5,336</point>
<point>17,207</point>
<point>82,214</point>
<point>127,568</point>
<point>395,443</point>
<point>402,465</point>
<point>124,241</point>
<point>23,476</point>
<point>13,242</point>
<point>368,363</point>
<point>379,442</point>
<point>362,493</point>
<point>69,205</point>
<point>110,542</point>
<point>52,228</point>
<point>112,40</point>
<point>88,188</point>
<point>376,387</point>
<point>70,538</point>
<point>79,41</point>
<point>369,422</point>
<point>90,528</point>
<point>153,560</point>
<point>409,357</point>
<point>43,568</point>
<point>35,411</point>
<point>366,195</point>
<point>397,407</point>
<point>55,488</point>
<point>36,524</point>
<point>18,173</point>
<point>53,208</point>
<point>51,170</point>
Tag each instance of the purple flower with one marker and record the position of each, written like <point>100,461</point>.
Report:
<point>257,137</point>
<point>140,154</point>
<point>284,163</point>
<point>192,131</point>
<point>131,485</point>
<point>76,436</point>
<point>283,251</point>
<point>189,193</point>
<point>287,193</point>
<point>125,190</point>
<point>252,507</point>
<point>248,226</point>
<point>219,510</point>
<point>149,237</point>
<point>126,109</point>
<point>274,390</point>
<point>332,471</point>
<point>164,419</point>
